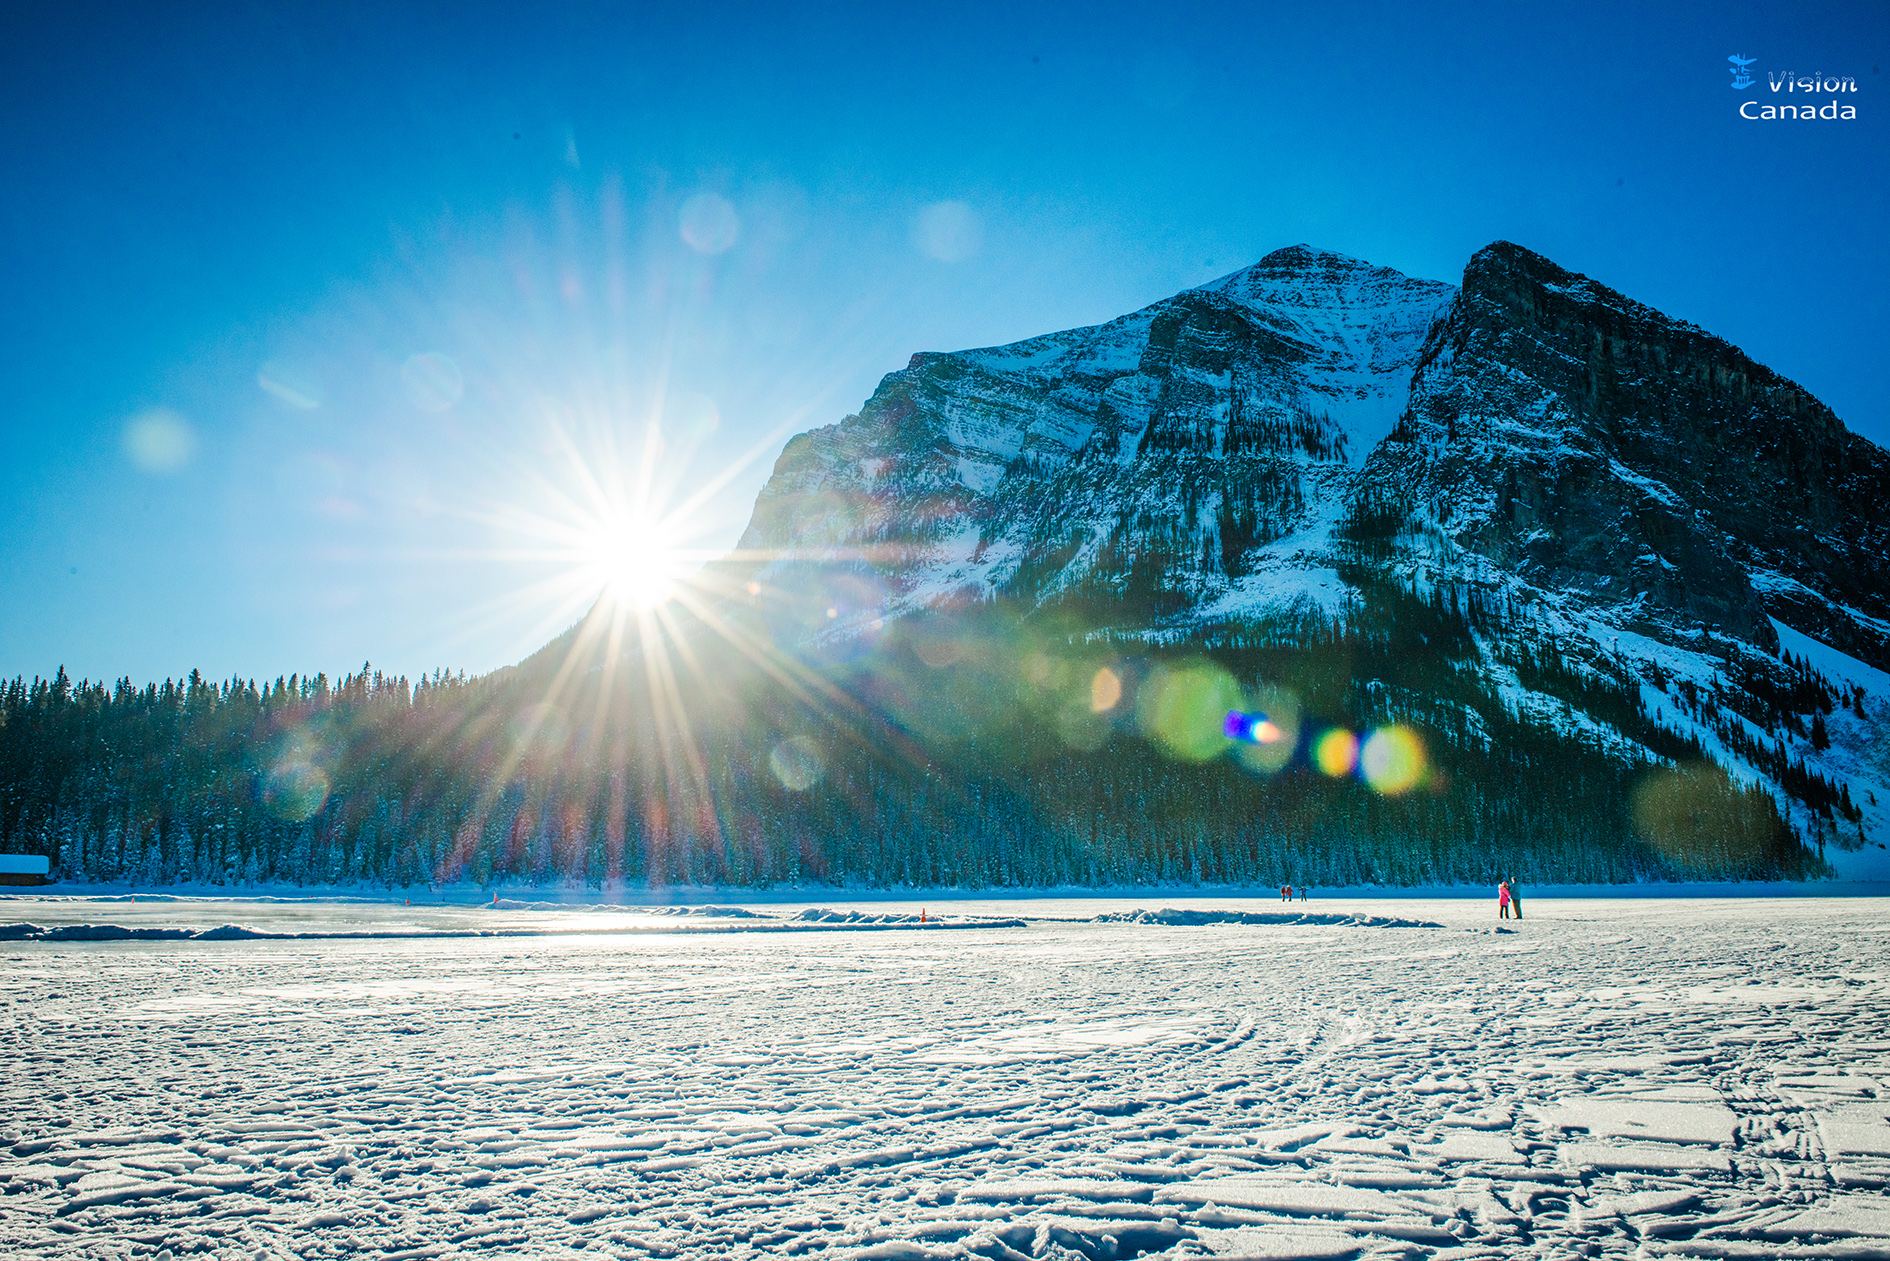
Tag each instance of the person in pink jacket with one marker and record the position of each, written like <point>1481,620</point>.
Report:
<point>1502,900</point>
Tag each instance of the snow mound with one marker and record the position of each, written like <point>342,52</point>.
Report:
<point>722,920</point>
<point>118,932</point>
<point>112,932</point>
<point>230,932</point>
<point>825,915</point>
<point>1304,919</point>
<point>711,912</point>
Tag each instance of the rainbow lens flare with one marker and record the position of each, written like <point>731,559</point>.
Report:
<point>1392,760</point>
<point>1336,752</point>
<point>1249,728</point>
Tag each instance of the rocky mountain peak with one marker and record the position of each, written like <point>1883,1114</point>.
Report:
<point>1289,447</point>
<point>1586,442</point>
<point>1149,462</point>
<point>1295,265</point>
<point>1352,315</point>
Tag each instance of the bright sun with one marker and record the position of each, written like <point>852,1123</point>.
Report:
<point>633,563</point>
<point>608,534</point>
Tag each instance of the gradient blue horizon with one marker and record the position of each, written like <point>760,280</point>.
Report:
<point>318,193</point>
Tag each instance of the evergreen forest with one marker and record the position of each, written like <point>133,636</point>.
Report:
<point>970,748</point>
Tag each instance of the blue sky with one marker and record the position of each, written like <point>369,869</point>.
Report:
<point>320,316</point>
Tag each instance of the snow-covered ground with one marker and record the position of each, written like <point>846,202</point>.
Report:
<point>1694,1077</point>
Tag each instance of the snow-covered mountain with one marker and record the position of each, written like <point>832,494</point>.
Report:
<point>1697,548</point>
<point>1192,456</point>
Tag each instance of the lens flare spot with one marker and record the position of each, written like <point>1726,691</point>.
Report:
<point>1336,752</point>
<point>294,790</point>
<point>708,224</point>
<point>160,441</point>
<point>541,726</point>
<point>289,385</point>
<point>1392,760</point>
<point>1083,726</point>
<point>797,763</point>
<point>1105,691</point>
<point>432,381</point>
<point>1698,819</point>
<point>1269,734</point>
<point>948,231</point>
<point>939,650</point>
<point>691,419</point>
<point>1251,728</point>
<point>818,610</point>
<point>1038,669</point>
<point>1185,710</point>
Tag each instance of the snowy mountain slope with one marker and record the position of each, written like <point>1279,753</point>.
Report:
<point>1157,456</point>
<point>1621,507</point>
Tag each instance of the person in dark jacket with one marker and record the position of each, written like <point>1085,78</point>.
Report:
<point>1515,897</point>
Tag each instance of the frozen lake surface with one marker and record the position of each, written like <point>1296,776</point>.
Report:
<point>1646,1077</point>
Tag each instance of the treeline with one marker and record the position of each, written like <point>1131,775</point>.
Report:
<point>960,748</point>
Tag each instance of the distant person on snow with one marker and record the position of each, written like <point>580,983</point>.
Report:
<point>1515,897</point>
<point>1302,893</point>
<point>1286,893</point>
<point>1502,900</point>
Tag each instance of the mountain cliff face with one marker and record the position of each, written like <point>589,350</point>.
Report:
<point>1583,444</point>
<point>1649,541</point>
<point>1171,466</point>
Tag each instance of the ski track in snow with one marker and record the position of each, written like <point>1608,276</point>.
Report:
<point>1694,1078</point>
